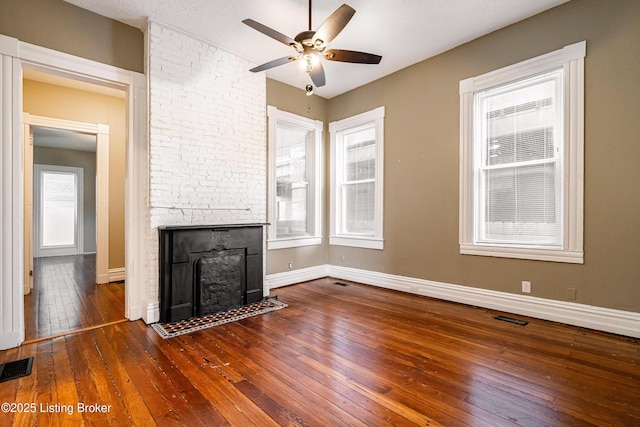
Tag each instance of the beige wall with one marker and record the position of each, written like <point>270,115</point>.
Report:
<point>294,100</point>
<point>71,104</point>
<point>422,159</point>
<point>61,26</point>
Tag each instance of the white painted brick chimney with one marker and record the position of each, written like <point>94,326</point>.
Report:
<point>207,136</point>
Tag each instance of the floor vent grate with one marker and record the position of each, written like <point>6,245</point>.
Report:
<point>511,320</point>
<point>17,369</point>
<point>341,284</point>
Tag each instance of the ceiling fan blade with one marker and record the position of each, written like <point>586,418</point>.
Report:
<point>333,25</point>
<point>270,32</point>
<point>274,63</point>
<point>317,75</point>
<point>352,56</point>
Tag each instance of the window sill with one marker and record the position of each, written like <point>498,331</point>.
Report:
<point>358,242</point>
<point>295,242</point>
<point>568,256</point>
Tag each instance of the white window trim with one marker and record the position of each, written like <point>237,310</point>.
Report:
<point>273,116</point>
<point>369,242</point>
<point>571,58</point>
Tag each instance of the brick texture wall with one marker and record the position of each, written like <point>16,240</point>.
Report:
<point>207,137</point>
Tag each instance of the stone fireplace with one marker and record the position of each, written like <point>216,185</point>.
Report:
<point>206,269</point>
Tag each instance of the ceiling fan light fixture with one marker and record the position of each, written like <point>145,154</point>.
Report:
<point>308,62</point>
<point>312,59</point>
<point>311,45</point>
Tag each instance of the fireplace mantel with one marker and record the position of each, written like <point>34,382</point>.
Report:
<point>189,257</point>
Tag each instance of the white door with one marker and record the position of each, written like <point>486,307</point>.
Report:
<point>58,194</point>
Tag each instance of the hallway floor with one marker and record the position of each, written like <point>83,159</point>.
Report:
<point>65,297</point>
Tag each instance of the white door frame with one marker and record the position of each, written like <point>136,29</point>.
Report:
<point>101,131</point>
<point>14,57</point>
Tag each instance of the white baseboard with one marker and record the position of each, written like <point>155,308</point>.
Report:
<point>294,276</point>
<point>116,274</point>
<point>102,278</point>
<point>603,319</point>
<point>151,313</point>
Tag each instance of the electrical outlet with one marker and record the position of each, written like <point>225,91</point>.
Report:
<point>526,287</point>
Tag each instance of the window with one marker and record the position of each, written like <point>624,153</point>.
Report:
<point>357,147</point>
<point>58,196</point>
<point>295,210</point>
<point>521,171</point>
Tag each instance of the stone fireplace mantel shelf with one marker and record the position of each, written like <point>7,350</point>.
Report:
<point>210,226</point>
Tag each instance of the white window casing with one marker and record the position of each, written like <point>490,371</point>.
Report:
<point>357,180</point>
<point>295,180</point>
<point>544,122</point>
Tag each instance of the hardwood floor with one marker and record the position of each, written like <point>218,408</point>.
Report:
<point>337,356</point>
<point>65,297</point>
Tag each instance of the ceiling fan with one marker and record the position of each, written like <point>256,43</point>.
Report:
<point>310,45</point>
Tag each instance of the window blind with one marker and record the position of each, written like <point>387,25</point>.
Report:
<point>518,160</point>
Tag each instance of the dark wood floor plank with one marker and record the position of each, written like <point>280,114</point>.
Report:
<point>339,356</point>
<point>363,372</point>
<point>106,386</point>
<point>142,374</point>
<point>65,385</point>
<point>166,379</point>
<point>285,371</point>
<point>89,379</point>
<point>462,344</point>
<point>399,379</point>
<point>210,376</point>
<point>299,406</point>
<point>357,403</point>
<point>65,297</point>
<point>198,393</point>
<point>127,392</point>
<point>48,393</point>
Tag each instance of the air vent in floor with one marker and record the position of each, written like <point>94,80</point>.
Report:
<point>511,320</point>
<point>17,369</point>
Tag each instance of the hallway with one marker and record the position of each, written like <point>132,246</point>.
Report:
<point>65,297</point>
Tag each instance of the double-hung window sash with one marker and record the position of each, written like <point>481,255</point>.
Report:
<point>519,158</point>
<point>359,181</point>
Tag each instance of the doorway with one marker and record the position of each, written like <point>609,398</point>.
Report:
<point>68,137</point>
<point>66,164</point>
<point>18,57</point>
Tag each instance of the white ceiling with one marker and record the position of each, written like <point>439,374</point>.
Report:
<point>404,32</point>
